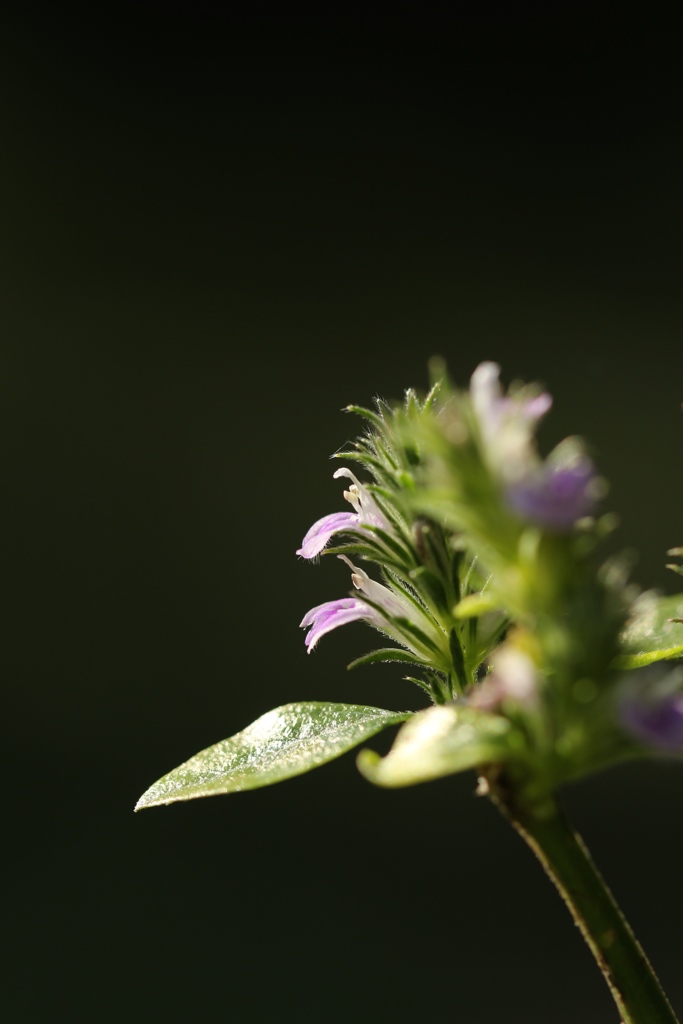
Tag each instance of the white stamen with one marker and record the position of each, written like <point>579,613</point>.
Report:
<point>353,498</point>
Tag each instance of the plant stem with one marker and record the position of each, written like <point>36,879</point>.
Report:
<point>565,859</point>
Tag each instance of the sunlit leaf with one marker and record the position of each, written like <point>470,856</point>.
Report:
<point>285,742</point>
<point>441,741</point>
<point>652,634</point>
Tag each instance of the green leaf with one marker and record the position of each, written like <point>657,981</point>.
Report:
<point>387,654</point>
<point>652,633</point>
<point>369,415</point>
<point>441,741</point>
<point>285,742</point>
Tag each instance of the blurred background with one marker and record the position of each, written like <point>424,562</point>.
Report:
<point>218,227</point>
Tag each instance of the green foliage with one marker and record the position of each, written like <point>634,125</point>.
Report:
<point>285,742</point>
<point>653,633</point>
<point>441,741</point>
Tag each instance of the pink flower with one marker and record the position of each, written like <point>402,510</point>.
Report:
<point>506,422</point>
<point>650,707</point>
<point>385,606</point>
<point>366,513</point>
<point>328,616</point>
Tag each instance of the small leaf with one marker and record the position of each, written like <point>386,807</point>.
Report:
<point>441,741</point>
<point>387,654</point>
<point>653,633</point>
<point>367,414</point>
<point>285,742</point>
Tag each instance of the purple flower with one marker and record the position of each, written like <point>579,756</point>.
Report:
<point>386,605</point>
<point>555,496</point>
<point>506,422</point>
<point>367,513</point>
<point>320,533</point>
<point>326,617</point>
<point>552,494</point>
<point>652,711</point>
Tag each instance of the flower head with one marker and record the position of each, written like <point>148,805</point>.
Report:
<point>554,493</point>
<point>391,604</point>
<point>328,616</point>
<point>514,678</point>
<point>506,422</point>
<point>366,513</point>
<point>380,609</point>
<point>650,708</point>
<point>555,496</point>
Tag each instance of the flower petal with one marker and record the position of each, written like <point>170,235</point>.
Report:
<point>514,678</point>
<point>328,616</point>
<point>555,496</point>
<point>321,531</point>
<point>650,707</point>
<point>660,724</point>
<point>486,395</point>
<point>362,500</point>
<point>391,603</point>
<point>506,422</point>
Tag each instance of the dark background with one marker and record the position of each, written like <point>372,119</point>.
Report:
<point>219,226</point>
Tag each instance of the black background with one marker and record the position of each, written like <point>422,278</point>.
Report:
<point>218,226</point>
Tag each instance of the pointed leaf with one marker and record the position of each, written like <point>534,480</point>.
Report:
<point>441,741</point>
<point>285,742</point>
<point>387,654</point>
<point>652,634</point>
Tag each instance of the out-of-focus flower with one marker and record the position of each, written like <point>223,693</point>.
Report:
<point>514,677</point>
<point>555,496</point>
<point>366,513</point>
<point>650,707</point>
<point>506,422</point>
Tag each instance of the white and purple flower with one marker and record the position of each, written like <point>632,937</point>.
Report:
<point>506,422</point>
<point>386,605</point>
<point>553,494</point>
<point>650,708</point>
<point>328,616</point>
<point>366,513</point>
<point>514,678</point>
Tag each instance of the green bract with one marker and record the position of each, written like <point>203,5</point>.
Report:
<point>441,741</point>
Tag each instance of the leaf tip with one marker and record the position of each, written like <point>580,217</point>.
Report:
<point>144,801</point>
<point>152,797</point>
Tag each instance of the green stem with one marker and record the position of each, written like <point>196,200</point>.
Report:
<point>565,859</point>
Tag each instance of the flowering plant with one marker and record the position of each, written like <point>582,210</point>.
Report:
<point>541,661</point>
